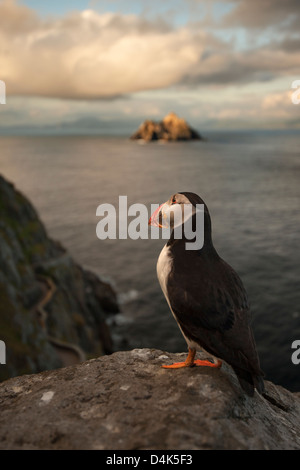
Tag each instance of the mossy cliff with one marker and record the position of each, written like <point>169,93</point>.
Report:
<point>52,311</point>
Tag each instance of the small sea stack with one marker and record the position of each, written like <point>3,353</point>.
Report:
<point>171,128</point>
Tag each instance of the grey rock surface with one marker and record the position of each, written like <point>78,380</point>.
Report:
<point>127,401</point>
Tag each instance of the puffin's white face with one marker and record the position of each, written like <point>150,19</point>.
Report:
<point>173,213</point>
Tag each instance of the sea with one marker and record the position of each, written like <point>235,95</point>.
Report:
<point>250,181</point>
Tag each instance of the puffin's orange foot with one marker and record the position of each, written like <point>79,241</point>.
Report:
<point>196,362</point>
<point>217,364</point>
<point>189,362</point>
<point>178,365</point>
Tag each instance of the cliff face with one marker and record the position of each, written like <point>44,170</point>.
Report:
<point>52,311</point>
<point>126,401</point>
<point>171,128</point>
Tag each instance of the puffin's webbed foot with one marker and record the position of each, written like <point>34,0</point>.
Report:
<point>177,365</point>
<point>200,363</point>
<point>191,362</point>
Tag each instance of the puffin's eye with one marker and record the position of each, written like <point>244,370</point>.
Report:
<point>174,200</point>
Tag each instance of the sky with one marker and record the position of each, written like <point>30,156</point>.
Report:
<point>105,66</point>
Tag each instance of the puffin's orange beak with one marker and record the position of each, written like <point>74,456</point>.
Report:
<point>155,218</point>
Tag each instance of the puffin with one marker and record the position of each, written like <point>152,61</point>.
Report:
<point>206,296</point>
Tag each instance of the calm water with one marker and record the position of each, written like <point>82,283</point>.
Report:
<point>250,182</point>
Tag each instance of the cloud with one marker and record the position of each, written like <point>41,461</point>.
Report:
<point>256,14</point>
<point>89,55</point>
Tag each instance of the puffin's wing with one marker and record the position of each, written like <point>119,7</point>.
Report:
<point>213,304</point>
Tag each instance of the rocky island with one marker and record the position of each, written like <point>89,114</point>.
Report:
<point>171,128</point>
<point>53,312</point>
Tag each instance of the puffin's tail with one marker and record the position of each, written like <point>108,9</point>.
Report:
<point>249,381</point>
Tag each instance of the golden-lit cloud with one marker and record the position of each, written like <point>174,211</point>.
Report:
<point>88,55</point>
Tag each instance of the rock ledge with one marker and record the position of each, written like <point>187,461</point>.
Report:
<point>126,401</point>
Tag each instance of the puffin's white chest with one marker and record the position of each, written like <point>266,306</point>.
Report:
<point>164,267</point>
